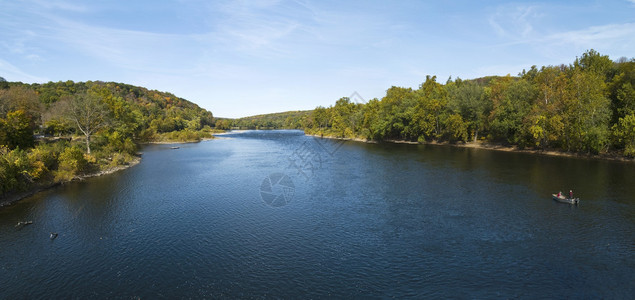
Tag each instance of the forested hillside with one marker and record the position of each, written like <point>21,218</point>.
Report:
<point>56,131</point>
<point>585,107</point>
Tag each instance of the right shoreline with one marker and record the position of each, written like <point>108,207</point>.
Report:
<point>490,146</point>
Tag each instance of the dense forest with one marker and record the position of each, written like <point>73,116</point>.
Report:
<point>288,120</point>
<point>584,107</point>
<point>56,131</point>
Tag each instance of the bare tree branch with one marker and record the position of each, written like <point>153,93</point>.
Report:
<point>88,112</point>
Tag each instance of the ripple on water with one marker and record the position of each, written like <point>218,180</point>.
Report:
<point>374,221</point>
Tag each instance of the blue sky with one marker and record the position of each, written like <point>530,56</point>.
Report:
<point>239,58</point>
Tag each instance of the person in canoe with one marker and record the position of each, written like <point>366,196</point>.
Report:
<point>559,194</point>
<point>570,194</point>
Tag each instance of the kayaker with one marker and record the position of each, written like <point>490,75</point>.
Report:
<point>571,194</point>
<point>559,194</point>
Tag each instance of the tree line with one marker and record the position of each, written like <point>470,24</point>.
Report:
<point>56,131</point>
<point>587,107</point>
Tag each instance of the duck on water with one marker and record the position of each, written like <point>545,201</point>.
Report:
<point>22,223</point>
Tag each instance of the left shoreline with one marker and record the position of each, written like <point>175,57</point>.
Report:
<point>12,198</point>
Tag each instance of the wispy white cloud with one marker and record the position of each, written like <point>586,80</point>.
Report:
<point>61,5</point>
<point>259,28</point>
<point>18,44</point>
<point>618,37</point>
<point>539,30</point>
<point>266,29</point>
<point>125,48</point>
<point>13,73</point>
<point>597,35</point>
<point>275,29</point>
<point>514,21</point>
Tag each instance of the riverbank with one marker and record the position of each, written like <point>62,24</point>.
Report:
<point>11,198</point>
<point>494,147</point>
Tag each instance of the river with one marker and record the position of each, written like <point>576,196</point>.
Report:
<point>277,214</point>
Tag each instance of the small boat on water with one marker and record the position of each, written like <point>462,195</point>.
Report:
<point>564,199</point>
<point>175,147</point>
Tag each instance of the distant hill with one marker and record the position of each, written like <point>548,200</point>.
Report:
<point>282,120</point>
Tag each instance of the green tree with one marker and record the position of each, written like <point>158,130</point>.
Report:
<point>592,61</point>
<point>20,98</point>
<point>71,163</point>
<point>432,99</point>
<point>545,123</point>
<point>622,90</point>
<point>423,116</point>
<point>3,83</point>
<point>626,98</point>
<point>321,118</point>
<point>345,117</point>
<point>14,170</point>
<point>624,132</point>
<point>587,113</point>
<point>467,98</point>
<point>394,116</point>
<point>223,124</point>
<point>455,129</point>
<point>511,100</point>
<point>371,126</point>
<point>16,130</point>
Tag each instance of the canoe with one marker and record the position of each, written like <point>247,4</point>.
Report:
<point>564,199</point>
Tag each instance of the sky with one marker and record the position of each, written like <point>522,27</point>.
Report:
<point>240,58</point>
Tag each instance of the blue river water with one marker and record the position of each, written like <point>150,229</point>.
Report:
<point>277,214</point>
